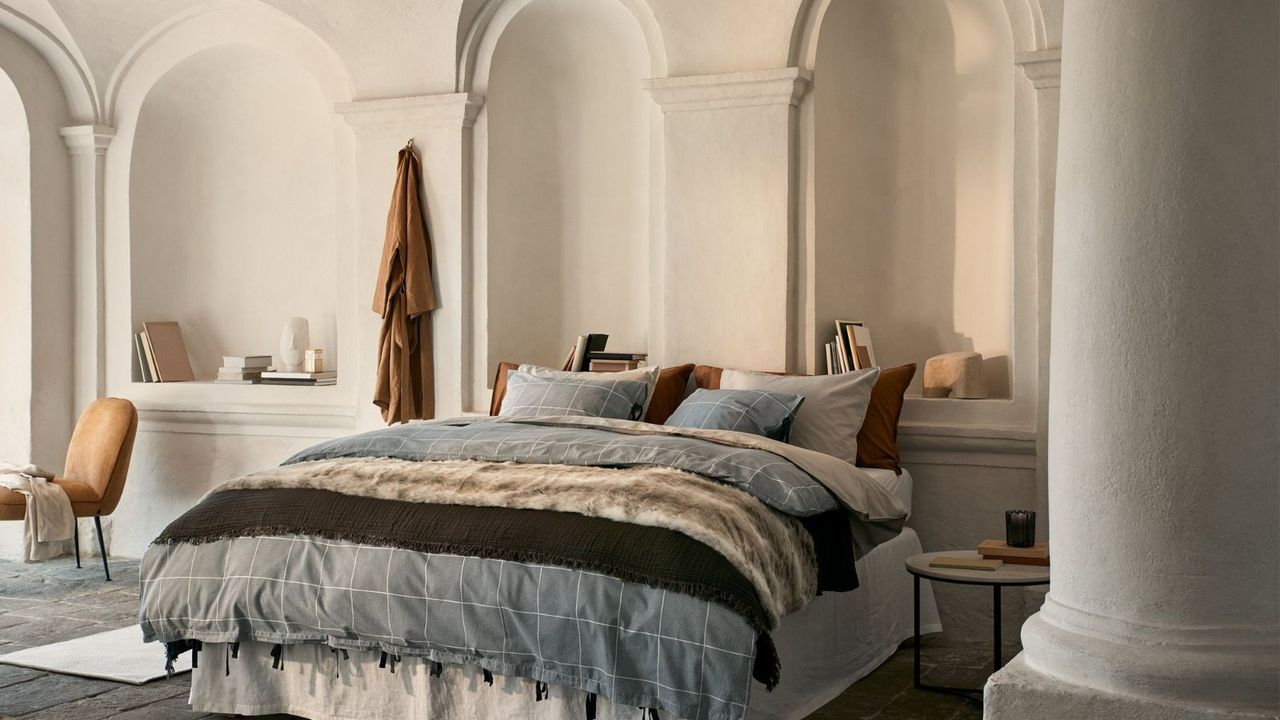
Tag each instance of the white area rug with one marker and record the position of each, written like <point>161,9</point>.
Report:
<point>118,655</point>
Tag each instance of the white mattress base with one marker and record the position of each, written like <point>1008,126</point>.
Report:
<point>835,641</point>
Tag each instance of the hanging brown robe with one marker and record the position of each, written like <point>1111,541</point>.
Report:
<point>404,297</point>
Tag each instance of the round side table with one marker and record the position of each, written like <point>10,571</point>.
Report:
<point>1007,575</point>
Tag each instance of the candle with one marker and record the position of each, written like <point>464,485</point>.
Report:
<point>1020,528</point>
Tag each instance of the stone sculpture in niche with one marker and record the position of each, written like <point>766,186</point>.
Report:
<point>957,374</point>
<point>294,340</point>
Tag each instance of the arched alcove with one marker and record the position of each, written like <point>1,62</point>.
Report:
<point>15,274</point>
<point>568,192</point>
<point>913,174</point>
<point>232,204</point>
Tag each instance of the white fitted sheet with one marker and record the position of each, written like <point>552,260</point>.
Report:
<point>900,485</point>
<point>836,640</point>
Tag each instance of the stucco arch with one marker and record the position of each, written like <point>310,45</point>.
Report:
<point>1030,22</point>
<point>215,25</point>
<point>37,296</point>
<point>488,23</point>
<point>490,19</point>
<point>62,57</point>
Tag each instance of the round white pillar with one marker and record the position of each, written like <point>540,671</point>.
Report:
<point>1164,408</point>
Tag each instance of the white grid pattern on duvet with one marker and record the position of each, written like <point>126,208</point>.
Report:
<point>618,648</point>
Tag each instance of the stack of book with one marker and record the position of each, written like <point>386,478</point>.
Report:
<point>315,379</point>
<point>243,369</point>
<point>1037,554</point>
<point>162,355</point>
<point>851,349</point>
<point>576,360</point>
<point>614,362</point>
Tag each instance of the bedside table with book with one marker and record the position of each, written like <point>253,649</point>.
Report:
<point>995,565</point>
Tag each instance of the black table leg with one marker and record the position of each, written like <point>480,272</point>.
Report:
<point>996,603</point>
<point>916,670</point>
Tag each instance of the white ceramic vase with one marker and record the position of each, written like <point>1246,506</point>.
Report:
<point>294,340</point>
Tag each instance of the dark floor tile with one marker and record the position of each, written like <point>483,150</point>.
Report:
<point>12,674</point>
<point>49,690</point>
<point>923,705</point>
<point>113,702</point>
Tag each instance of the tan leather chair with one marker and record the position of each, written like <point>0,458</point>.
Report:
<point>96,468</point>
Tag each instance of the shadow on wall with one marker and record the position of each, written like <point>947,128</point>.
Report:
<point>913,117</point>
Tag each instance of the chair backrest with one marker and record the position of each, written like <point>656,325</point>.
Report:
<point>101,447</point>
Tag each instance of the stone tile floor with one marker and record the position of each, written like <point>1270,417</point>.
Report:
<point>53,601</point>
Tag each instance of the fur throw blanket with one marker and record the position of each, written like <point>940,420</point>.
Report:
<point>770,549</point>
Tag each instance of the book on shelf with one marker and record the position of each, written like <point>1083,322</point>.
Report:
<point>245,362</point>
<point>236,381</point>
<point>637,357</point>
<point>612,365</point>
<point>591,343</point>
<point>955,562</point>
<point>1037,554</point>
<point>281,375</point>
<point>248,372</point>
<point>144,368</point>
<point>150,357</point>
<point>166,351</point>
<point>853,345</point>
<point>300,383</point>
<point>300,378</point>
<point>240,376</point>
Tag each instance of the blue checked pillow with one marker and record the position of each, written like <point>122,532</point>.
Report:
<point>530,396</point>
<point>751,411</point>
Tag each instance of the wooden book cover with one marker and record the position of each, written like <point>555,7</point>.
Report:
<point>172,363</point>
<point>966,563</point>
<point>1038,551</point>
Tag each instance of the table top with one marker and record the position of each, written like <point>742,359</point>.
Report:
<point>1008,574</point>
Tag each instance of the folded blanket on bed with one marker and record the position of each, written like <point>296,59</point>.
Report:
<point>770,549</point>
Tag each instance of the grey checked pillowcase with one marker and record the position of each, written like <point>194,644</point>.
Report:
<point>530,396</point>
<point>751,411</point>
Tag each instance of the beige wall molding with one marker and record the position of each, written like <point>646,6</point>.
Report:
<point>420,111</point>
<point>1042,67</point>
<point>753,88</point>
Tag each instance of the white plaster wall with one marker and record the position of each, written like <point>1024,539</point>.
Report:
<point>232,205</point>
<point>35,255</point>
<point>15,275</point>
<point>568,181</point>
<point>914,179</point>
<point>728,222</point>
<point>171,471</point>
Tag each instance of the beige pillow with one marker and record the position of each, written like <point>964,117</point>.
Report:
<point>647,375</point>
<point>833,410</point>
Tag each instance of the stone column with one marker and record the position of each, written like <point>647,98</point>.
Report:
<point>1164,418</point>
<point>87,145</point>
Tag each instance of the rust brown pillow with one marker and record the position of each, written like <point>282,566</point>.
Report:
<point>878,438</point>
<point>667,394</point>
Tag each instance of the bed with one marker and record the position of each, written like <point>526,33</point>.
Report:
<point>549,566</point>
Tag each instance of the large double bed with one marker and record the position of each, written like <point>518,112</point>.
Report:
<point>557,566</point>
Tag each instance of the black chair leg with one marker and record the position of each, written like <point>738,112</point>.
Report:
<point>75,535</point>
<point>102,546</point>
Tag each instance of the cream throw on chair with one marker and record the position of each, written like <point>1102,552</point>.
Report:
<point>49,521</point>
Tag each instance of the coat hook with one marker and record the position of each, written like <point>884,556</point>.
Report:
<point>410,142</point>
